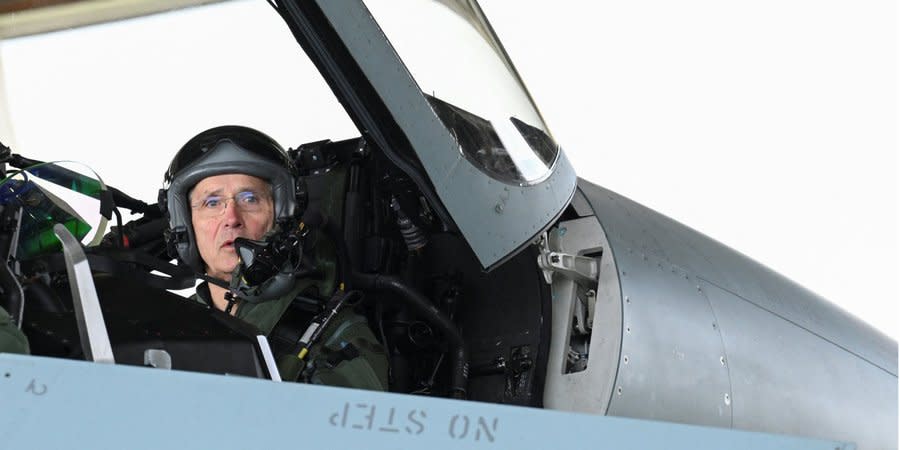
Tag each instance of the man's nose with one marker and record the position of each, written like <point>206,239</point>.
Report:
<point>231,216</point>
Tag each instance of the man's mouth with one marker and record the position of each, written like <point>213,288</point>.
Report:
<point>229,243</point>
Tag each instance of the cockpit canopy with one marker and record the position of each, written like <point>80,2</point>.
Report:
<point>454,93</point>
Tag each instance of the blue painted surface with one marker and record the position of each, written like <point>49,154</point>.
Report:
<point>48,403</point>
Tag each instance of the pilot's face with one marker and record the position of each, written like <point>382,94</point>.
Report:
<point>225,207</point>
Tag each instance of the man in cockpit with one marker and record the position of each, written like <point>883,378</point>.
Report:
<point>234,182</point>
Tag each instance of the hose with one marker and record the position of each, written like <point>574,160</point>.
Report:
<point>459,364</point>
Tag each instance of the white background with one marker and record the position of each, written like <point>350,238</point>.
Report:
<point>770,126</point>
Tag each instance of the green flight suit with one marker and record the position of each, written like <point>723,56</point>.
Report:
<point>11,338</point>
<point>347,354</point>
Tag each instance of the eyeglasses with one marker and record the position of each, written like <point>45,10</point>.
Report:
<point>245,201</point>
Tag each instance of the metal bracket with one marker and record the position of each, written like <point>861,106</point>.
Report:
<point>583,314</point>
<point>581,269</point>
<point>91,327</point>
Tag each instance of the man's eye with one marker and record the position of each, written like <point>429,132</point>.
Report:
<point>248,198</point>
<point>211,202</point>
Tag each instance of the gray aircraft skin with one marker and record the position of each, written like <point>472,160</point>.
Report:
<point>649,318</point>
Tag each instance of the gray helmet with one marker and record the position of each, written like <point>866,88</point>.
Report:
<point>217,151</point>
